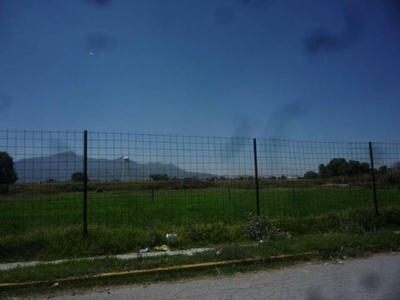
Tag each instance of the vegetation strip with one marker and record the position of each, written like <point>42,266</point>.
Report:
<point>286,257</point>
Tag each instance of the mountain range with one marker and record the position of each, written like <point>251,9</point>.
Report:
<point>61,166</point>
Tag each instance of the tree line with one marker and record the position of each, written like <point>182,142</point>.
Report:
<point>342,167</point>
<point>336,167</point>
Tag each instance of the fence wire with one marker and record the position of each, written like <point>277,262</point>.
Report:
<point>144,180</point>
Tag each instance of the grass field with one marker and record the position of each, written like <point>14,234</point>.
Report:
<point>44,222</point>
<point>48,206</point>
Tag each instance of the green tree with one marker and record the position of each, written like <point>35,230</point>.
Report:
<point>7,171</point>
<point>340,167</point>
<point>364,168</point>
<point>159,177</point>
<point>310,175</point>
<point>353,167</point>
<point>322,171</point>
<point>383,169</point>
<point>77,177</point>
<point>337,167</point>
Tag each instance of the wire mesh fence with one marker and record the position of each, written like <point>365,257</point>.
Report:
<point>143,180</point>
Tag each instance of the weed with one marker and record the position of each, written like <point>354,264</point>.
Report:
<point>68,241</point>
<point>352,228</point>
<point>261,228</point>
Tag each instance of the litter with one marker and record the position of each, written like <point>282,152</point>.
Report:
<point>171,236</point>
<point>161,248</point>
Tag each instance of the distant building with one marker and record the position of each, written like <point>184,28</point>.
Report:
<point>125,176</point>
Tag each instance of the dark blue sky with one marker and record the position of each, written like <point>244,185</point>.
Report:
<point>303,70</point>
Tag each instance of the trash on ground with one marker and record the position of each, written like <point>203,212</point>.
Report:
<point>161,248</point>
<point>171,236</point>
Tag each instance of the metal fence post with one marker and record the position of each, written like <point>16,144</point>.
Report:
<point>256,176</point>
<point>371,156</point>
<point>85,181</point>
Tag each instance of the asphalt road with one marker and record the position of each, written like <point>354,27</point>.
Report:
<point>377,277</point>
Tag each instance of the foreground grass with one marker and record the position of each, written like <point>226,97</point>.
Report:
<point>352,233</point>
<point>335,245</point>
<point>63,243</point>
<point>326,246</point>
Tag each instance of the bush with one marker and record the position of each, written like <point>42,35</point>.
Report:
<point>359,221</point>
<point>310,175</point>
<point>77,177</point>
<point>352,227</point>
<point>261,228</point>
<point>390,178</point>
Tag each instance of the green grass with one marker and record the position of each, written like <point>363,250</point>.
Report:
<point>39,207</point>
<point>334,235</point>
<point>326,246</point>
<point>44,221</point>
<point>67,242</point>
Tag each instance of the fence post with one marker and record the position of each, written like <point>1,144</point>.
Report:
<point>256,176</point>
<point>371,156</point>
<point>85,181</point>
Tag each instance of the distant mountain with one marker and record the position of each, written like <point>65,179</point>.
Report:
<point>60,167</point>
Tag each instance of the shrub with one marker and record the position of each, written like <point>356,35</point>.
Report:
<point>391,178</point>
<point>352,227</point>
<point>261,228</point>
<point>310,175</point>
<point>359,221</point>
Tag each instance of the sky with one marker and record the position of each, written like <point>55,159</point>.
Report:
<point>310,70</point>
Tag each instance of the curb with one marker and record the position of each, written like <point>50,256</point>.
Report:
<point>287,257</point>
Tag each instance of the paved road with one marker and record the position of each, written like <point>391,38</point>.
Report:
<point>377,277</point>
